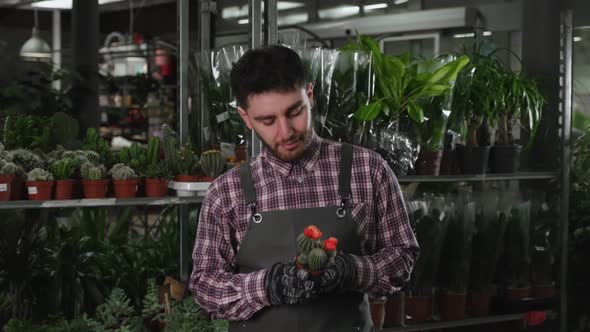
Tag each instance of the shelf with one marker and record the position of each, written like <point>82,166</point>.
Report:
<point>478,177</point>
<point>457,323</point>
<point>101,202</point>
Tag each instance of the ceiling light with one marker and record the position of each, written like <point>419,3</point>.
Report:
<point>399,2</point>
<point>470,34</point>
<point>577,39</point>
<point>35,48</point>
<point>292,19</point>
<point>375,6</point>
<point>243,21</point>
<point>63,4</point>
<point>338,12</point>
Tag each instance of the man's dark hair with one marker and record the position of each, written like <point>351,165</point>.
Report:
<point>268,69</point>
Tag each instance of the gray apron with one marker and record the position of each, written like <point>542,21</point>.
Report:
<point>271,238</point>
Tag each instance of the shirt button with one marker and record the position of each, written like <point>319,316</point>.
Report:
<point>300,180</point>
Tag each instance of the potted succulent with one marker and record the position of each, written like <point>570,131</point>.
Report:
<point>156,179</point>
<point>181,161</point>
<point>313,255</point>
<point>125,181</point>
<point>11,182</point>
<point>521,104</point>
<point>211,164</point>
<point>39,184</point>
<point>63,170</point>
<point>94,181</point>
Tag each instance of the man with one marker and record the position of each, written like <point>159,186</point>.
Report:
<point>244,269</point>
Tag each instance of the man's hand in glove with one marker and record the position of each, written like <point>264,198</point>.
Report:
<point>338,276</point>
<point>286,284</point>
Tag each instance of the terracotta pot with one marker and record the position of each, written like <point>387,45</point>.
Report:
<point>478,303</point>
<point>241,152</point>
<point>517,294</point>
<point>377,314</point>
<point>451,306</point>
<point>18,189</point>
<point>417,309</point>
<point>6,186</point>
<point>95,188</point>
<point>313,273</point>
<point>40,190</point>
<point>206,179</point>
<point>543,291</point>
<point>394,310</point>
<point>186,178</point>
<point>156,187</point>
<point>64,189</point>
<point>428,163</point>
<point>125,188</point>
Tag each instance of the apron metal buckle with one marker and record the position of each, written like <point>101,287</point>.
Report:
<point>341,212</point>
<point>256,217</point>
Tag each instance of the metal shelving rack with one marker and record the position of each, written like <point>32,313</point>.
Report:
<point>101,202</point>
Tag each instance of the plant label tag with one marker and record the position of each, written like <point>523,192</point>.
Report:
<point>32,190</point>
<point>222,117</point>
<point>3,187</point>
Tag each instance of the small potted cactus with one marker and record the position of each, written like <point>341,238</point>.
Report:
<point>94,181</point>
<point>125,181</point>
<point>313,255</point>
<point>11,182</point>
<point>212,165</point>
<point>39,184</point>
<point>186,165</point>
<point>156,180</point>
<point>63,170</point>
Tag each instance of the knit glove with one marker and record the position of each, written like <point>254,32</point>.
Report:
<point>286,284</point>
<point>338,276</point>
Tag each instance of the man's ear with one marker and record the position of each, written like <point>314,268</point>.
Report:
<point>245,117</point>
<point>309,92</point>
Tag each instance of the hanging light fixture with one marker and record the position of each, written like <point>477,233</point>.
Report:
<point>35,48</point>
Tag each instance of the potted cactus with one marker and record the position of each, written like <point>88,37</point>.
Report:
<point>181,161</point>
<point>94,182</point>
<point>63,170</point>
<point>39,184</point>
<point>156,179</point>
<point>212,165</point>
<point>11,183</point>
<point>312,254</point>
<point>125,181</point>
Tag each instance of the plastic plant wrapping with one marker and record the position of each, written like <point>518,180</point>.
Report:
<point>517,256</point>
<point>323,86</point>
<point>225,124</point>
<point>429,217</point>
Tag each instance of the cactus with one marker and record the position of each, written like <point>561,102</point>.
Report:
<point>211,163</point>
<point>302,259</point>
<point>186,160</point>
<point>306,244</point>
<point>122,172</point>
<point>170,148</point>
<point>39,174</point>
<point>64,128</point>
<point>157,171</point>
<point>63,168</point>
<point>90,171</point>
<point>27,159</point>
<point>316,259</point>
<point>11,168</point>
<point>153,150</point>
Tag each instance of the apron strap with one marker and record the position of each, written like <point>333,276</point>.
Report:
<point>345,173</point>
<point>247,184</point>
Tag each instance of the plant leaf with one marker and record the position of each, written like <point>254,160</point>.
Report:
<point>369,112</point>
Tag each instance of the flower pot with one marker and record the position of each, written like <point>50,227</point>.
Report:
<point>313,273</point>
<point>417,308</point>
<point>95,188</point>
<point>428,162</point>
<point>478,303</point>
<point>125,188</point>
<point>64,189</point>
<point>451,305</point>
<point>40,190</point>
<point>18,189</point>
<point>448,162</point>
<point>156,187</point>
<point>543,291</point>
<point>206,179</point>
<point>6,186</point>
<point>505,158</point>
<point>377,314</point>
<point>394,310</point>
<point>241,152</point>
<point>473,159</point>
<point>186,178</point>
<point>517,294</point>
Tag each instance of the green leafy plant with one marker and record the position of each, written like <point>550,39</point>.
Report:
<point>152,308</point>
<point>117,312</point>
<point>187,316</point>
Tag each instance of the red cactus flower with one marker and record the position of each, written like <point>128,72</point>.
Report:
<point>312,232</point>
<point>330,244</point>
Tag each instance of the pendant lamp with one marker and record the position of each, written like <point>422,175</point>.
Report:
<point>35,48</point>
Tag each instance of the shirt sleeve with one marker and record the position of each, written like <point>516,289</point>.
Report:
<point>216,288</point>
<point>388,269</point>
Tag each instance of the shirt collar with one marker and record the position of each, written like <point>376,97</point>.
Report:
<point>307,161</point>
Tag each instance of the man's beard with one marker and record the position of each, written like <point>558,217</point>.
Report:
<point>303,140</point>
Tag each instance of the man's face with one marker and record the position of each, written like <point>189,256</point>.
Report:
<point>281,120</point>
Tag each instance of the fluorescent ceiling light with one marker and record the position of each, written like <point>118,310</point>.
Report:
<point>470,34</point>
<point>63,4</point>
<point>376,6</point>
<point>242,11</point>
<point>399,2</point>
<point>243,21</point>
<point>338,12</point>
<point>292,19</point>
<point>577,39</point>
<point>583,27</point>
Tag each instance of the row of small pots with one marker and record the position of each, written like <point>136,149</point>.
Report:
<point>400,310</point>
<point>470,160</point>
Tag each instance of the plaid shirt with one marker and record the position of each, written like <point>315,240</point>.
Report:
<point>387,242</point>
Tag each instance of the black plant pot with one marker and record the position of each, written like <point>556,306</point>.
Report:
<point>505,158</point>
<point>473,159</point>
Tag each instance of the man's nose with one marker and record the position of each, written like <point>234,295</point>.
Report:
<point>285,129</point>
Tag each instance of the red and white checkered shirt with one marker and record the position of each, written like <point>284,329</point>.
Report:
<point>388,244</point>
